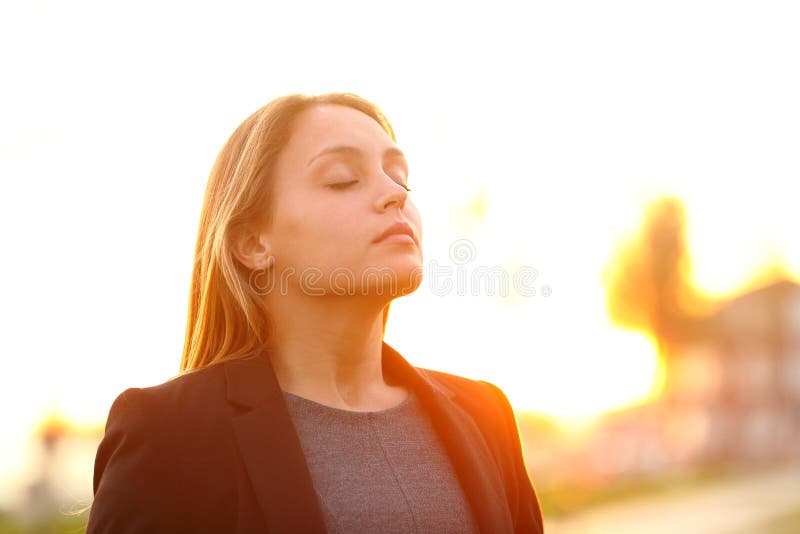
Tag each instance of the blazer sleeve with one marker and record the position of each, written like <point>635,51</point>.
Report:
<point>128,475</point>
<point>526,510</point>
<point>141,481</point>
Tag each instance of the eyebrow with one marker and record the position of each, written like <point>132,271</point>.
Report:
<point>353,151</point>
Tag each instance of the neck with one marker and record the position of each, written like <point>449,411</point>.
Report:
<point>329,350</point>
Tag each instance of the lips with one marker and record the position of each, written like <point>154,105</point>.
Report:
<point>395,229</point>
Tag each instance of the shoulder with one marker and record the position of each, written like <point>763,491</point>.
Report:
<point>163,447</point>
<point>188,411</point>
<point>183,397</point>
<point>481,395</point>
<point>485,403</point>
<point>186,388</point>
<point>455,382</point>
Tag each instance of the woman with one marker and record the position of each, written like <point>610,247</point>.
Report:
<point>291,413</point>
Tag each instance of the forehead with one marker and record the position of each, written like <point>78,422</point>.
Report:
<point>325,125</point>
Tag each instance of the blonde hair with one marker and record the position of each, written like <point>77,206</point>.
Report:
<point>227,319</point>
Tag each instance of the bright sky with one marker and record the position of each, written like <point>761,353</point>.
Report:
<point>535,133</point>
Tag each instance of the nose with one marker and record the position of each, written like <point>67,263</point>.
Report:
<point>393,193</point>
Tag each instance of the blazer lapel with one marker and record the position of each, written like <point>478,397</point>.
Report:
<point>463,441</point>
<point>271,449</point>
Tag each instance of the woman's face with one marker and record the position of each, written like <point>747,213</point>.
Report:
<point>339,184</point>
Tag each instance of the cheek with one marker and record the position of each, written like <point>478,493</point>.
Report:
<point>317,236</point>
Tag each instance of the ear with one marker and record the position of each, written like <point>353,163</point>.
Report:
<point>253,250</point>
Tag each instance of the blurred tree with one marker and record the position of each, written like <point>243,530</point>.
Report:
<point>647,281</point>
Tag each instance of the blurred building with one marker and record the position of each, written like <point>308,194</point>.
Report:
<point>741,376</point>
<point>731,398</point>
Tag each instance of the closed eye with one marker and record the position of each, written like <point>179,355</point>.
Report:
<point>401,181</point>
<point>342,185</point>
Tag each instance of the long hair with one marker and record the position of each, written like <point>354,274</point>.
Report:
<point>227,319</point>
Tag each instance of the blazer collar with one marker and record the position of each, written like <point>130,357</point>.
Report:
<point>274,458</point>
<point>249,387</point>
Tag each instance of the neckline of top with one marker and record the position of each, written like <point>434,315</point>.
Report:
<point>353,413</point>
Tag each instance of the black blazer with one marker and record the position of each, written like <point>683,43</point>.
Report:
<point>215,450</point>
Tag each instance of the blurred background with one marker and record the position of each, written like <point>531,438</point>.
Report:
<point>608,195</point>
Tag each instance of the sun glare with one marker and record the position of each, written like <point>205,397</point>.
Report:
<point>600,370</point>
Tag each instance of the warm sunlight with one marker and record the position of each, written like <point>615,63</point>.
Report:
<point>601,370</point>
<point>741,240</point>
<point>537,150</point>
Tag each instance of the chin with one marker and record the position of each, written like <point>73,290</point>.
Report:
<point>408,285</point>
<point>393,281</point>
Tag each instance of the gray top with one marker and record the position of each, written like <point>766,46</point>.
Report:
<point>382,471</point>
